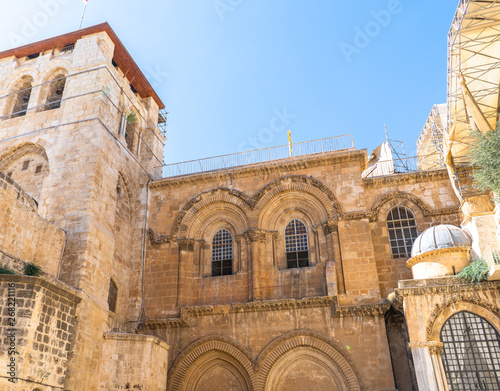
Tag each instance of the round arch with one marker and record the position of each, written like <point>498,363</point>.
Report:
<point>236,202</point>
<point>277,358</point>
<point>297,184</point>
<point>206,354</point>
<point>19,151</point>
<point>388,201</point>
<point>477,306</point>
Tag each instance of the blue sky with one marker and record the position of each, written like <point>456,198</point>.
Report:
<point>231,70</point>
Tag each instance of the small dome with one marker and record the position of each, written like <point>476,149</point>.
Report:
<point>440,236</point>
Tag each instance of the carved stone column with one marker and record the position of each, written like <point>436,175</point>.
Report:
<point>331,232</point>
<point>186,254</point>
<point>202,248</point>
<point>428,365</point>
<point>257,241</point>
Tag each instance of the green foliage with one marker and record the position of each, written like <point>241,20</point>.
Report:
<point>485,153</point>
<point>6,270</point>
<point>131,117</point>
<point>32,270</point>
<point>476,272</point>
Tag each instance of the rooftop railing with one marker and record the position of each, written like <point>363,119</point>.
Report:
<point>282,152</point>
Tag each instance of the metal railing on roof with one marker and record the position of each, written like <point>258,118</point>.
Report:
<point>282,152</point>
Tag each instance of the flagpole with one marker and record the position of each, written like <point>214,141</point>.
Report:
<point>83,14</point>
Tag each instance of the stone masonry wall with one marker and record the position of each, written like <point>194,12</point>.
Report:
<point>133,362</point>
<point>41,330</point>
<point>26,236</point>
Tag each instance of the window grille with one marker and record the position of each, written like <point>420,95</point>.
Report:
<point>471,353</point>
<point>402,229</point>
<point>222,253</point>
<point>296,246</point>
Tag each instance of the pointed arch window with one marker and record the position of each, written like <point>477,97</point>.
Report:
<point>471,353</point>
<point>222,253</point>
<point>402,229</point>
<point>296,245</point>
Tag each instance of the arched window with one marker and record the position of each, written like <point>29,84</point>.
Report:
<point>402,229</point>
<point>112,296</point>
<point>128,129</point>
<point>471,353</point>
<point>22,97</point>
<point>222,253</point>
<point>296,246</point>
<point>56,89</point>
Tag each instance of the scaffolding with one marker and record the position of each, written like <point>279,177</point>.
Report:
<point>473,86</point>
<point>430,141</point>
<point>115,119</point>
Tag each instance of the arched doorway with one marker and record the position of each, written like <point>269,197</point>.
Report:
<point>471,353</point>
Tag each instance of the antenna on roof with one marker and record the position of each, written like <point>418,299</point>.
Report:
<point>83,13</point>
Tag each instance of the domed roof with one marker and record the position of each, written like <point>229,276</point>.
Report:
<point>440,236</point>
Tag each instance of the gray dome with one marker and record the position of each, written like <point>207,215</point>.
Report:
<point>440,236</point>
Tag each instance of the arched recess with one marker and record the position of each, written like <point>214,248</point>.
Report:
<point>52,89</point>
<point>212,357</point>
<point>387,201</point>
<point>184,223</point>
<point>284,360</point>
<point>20,92</point>
<point>298,184</point>
<point>28,165</point>
<point>213,217</point>
<point>441,313</point>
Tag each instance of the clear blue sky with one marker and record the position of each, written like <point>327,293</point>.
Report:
<point>225,67</point>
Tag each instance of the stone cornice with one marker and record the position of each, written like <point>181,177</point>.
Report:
<point>420,258</point>
<point>378,309</point>
<point>298,163</point>
<point>136,337</point>
<point>255,306</point>
<point>52,285</point>
<point>188,313</point>
<point>447,285</point>
<point>169,323</point>
<point>154,239</point>
<point>406,178</point>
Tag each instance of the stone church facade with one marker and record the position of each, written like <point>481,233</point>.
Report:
<point>285,274</point>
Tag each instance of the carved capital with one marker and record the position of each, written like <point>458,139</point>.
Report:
<point>202,243</point>
<point>154,239</point>
<point>186,244</point>
<point>329,226</point>
<point>255,235</point>
<point>434,347</point>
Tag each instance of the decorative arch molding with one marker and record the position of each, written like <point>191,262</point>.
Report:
<point>426,210</point>
<point>53,68</point>
<point>16,76</point>
<point>298,183</point>
<point>203,346</point>
<point>19,151</point>
<point>467,302</point>
<point>204,200</point>
<point>307,338</point>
